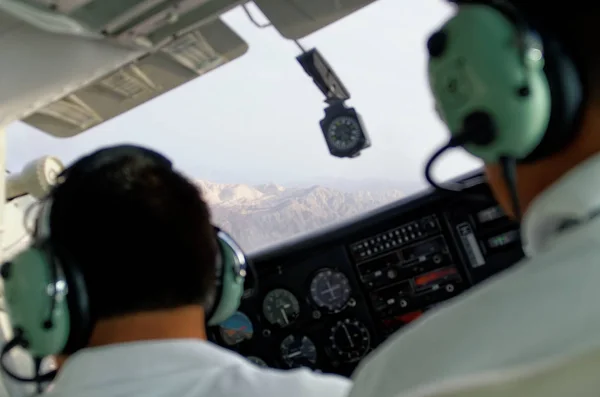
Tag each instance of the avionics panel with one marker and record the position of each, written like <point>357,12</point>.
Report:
<point>324,302</point>
<point>486,239</point>
<point>407,268</point>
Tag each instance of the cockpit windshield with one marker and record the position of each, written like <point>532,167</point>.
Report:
<point>249,133</point>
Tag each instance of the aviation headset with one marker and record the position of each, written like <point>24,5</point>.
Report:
<point>45,293</point>
<point>507,92</point>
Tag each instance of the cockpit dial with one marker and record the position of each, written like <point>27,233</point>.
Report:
<point>344,133</point>
<point>298,351</point>
<point>350,340</point>
<point>281,307</point>
<point>330,289</point>
<point>236,329</point>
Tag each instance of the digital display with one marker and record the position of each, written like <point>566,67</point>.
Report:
<point>490,214</point>
<point>503,239</point>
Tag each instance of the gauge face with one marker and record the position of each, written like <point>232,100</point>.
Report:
<point>330,289</point>
<point>350,340</point>
<point>236,329</point>
<point>298,351</point>
<point>281,307</point>
<point>344,133</point>
<point>258,361</point>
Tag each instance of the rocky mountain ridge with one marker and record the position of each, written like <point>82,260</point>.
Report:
<point>263,215</point>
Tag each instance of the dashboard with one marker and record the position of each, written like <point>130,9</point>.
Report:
<point>326,301</point>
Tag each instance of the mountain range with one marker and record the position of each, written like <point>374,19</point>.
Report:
<point>262,215</point>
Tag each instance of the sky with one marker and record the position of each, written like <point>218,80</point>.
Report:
<point>256,119</point>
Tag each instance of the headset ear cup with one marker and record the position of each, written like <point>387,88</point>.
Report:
<point>79,309</point>
<point>230,285</point>
<point>28,280</point>
<point>488,66</point>
<point>567,96</point>
<point>214,298</point>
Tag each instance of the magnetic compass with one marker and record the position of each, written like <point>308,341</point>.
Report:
<point>343,130</point>
<point>344,133</point>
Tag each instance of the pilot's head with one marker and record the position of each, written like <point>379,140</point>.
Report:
<point>575,24</point>
<point>141,236</point>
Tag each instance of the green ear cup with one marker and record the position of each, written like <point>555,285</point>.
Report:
<point>29,302</point>
<point>482,64</point>
<point>233,277</point>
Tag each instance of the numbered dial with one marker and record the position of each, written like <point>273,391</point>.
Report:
<point>298,351</point>
<point>281,307</point>
<point>350,340</point>
<point>344,133</point>
<point>330,289</point>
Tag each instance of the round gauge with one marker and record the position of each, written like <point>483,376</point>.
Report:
<point>281,307</point>
<point>344,133</point>
<point>330,289</point>
<point>258,361</point>
<point>236,329</point>
<point>298,351</point>
<point>350,340</point>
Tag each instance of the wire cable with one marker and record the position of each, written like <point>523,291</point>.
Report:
<point>509,171</point>
<point>455,141</point>
<point>452,187</point>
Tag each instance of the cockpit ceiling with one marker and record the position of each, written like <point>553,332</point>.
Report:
<point>144,23</point>
<point>183,59</point>
<point>157,45</point>
<point>294,19</point>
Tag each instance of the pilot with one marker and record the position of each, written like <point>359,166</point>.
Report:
<point>132,239</point>
<point>533,330</point>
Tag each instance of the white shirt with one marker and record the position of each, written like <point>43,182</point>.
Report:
<point>184,368</point>
<point>531,331</point>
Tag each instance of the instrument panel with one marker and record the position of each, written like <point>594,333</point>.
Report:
<point>327,301</point>
<point>309,312</point>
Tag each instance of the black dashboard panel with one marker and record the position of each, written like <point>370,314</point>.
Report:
<point>326,301</point>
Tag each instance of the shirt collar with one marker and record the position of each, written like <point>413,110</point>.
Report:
<point>573,199</point>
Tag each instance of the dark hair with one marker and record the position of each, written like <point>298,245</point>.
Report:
<point>139,232</point>
<point>575,25</point>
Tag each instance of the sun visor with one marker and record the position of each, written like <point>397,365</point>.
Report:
<point>177,62</point>
<point>296,19</point>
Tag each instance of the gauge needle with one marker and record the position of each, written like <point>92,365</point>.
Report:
<point>331,289</point>
<point>285,317</point>
<point>294,354</point>
<point>348,336</point>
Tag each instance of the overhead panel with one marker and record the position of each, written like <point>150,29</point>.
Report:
<point>178,61</point>
<point>128,22</point>
<point>295,19</point>
<point>62,6</point>
<point>102,15</point>
<point>169,22</point>
<point>134,17</point>
<point>46,18</point>
<point>73,111</point>
<point>38,68</point>
<point>8,23</point>
<point>97,15</point>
